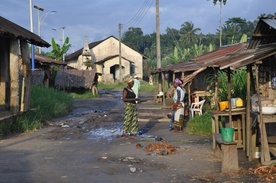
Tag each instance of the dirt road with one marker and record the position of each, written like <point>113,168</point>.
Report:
<point>85,147</point>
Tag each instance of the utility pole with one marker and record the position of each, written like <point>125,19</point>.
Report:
<point>158,36</point>
<point>120,52</point>
<point>32,30</point>
<point>220,28</point>
<point>158,52</point>
<point>63,55</point>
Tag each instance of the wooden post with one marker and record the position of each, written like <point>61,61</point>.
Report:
<point>229,96</point>
<point>248,126</point>
<point>265,156</point>
<point>47,73</point>
<point>26,83</point>
<point>163,89</point>
<point>216,88</point>
<point>14,75</point>
<point>4,73</point>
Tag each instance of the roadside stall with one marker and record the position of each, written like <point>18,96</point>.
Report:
<point>253,129</point>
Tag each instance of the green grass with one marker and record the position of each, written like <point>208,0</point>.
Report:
<point>83,95</point>
<point>119,85</point>
<point>46,104</point>
<point>200,125</point>
<point>145,86</point>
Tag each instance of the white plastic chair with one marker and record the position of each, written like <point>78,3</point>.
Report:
<point>196,107</point>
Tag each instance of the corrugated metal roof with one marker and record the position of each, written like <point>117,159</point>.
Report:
<point>11,30</point>
<point>262,45</point>
<point>47,61</point>
<point>264,51</point>
<point>264,33</point>
<point>216,58</point>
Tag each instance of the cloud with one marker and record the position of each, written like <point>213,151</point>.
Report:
<point>99,19</point>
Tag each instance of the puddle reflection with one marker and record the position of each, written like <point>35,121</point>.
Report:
<point>114,130</point>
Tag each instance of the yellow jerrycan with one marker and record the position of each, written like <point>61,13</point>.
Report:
<point>239,102</point>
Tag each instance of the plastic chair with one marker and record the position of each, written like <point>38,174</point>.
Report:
<point>196,107</point>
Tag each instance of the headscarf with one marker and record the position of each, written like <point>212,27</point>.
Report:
<point>178,81</point>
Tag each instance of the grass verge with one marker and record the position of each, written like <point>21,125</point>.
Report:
<point>46,103</point>
<point>200,125</point>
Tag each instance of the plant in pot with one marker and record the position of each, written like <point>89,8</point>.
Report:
<point>239,86</point>
<point>222,90</point>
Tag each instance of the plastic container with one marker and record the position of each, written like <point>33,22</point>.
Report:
<point>227,134</point>
<point>239,102</point>
<point>223,105</point>
<point>233,102</point>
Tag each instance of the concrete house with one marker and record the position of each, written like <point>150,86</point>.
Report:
<point>104,57</point>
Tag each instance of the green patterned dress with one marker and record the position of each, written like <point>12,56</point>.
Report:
<point>131,119</point>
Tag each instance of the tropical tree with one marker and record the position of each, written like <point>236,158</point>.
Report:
<point>220,28</point>
<point>235,26</point>
<point>189,34</point>
<point>58,51</point>
<point>148,66</point>
<point>133,37</point>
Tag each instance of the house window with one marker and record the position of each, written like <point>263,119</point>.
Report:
<point>132,68</point>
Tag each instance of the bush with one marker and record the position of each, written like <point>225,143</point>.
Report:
<point>200,125</point>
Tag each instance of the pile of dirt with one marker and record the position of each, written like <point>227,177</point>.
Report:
<point>267,172</point>
<point>160,148</point>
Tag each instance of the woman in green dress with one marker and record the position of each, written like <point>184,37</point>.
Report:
<point>130,120</point>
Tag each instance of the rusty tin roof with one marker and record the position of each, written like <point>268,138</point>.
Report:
<point>11,30</point>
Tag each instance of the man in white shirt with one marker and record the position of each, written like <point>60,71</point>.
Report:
<point>136,86</point>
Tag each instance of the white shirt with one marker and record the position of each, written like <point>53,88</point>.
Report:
<point>182,94</point>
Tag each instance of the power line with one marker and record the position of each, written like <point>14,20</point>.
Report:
<point>170,32</point>
<point>138,17</point>
<point>145,13</point>
<point>137,14</point>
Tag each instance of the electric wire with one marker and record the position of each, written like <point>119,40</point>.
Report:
<point>138,17</point>
<point>172,36</point>
<point>137,14</point>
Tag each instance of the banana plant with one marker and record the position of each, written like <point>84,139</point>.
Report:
<point>58,51</point>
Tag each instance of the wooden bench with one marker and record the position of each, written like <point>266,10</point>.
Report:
<point>229,154</point>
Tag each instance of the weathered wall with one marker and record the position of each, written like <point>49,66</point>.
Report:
<point>108,48</point>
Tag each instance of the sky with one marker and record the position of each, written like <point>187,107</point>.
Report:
<point>96,20</point>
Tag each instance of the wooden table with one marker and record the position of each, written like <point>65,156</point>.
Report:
<point>198,94</point>
<point>266,148</point>
<point>240,125</point>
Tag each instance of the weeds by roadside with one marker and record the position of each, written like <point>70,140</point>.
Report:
<point>200,125</point>
<point>46,103</point>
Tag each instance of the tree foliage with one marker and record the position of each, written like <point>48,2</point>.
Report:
<point>58,51</point>
<point>186,43</point>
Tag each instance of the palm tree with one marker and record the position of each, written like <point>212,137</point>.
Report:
<point>189,34</point>
<point>235,24</point>
<point>220,28</point>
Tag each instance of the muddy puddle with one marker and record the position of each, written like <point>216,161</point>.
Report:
<point>114,130</point>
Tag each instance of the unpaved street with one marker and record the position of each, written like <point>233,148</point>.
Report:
<point>85,146</point>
